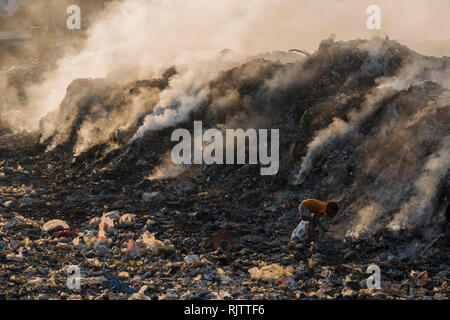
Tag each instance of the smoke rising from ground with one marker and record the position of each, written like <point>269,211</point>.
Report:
<point>367,220</point>
<point>167,169</point>
<point>415,72</point>
<point>418,210</point>
<point>139,38</point>
<point>188,90</point>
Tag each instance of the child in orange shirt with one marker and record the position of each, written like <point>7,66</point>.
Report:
<point>310,212</point>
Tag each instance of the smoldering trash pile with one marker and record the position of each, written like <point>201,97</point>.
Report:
<point>365,122</point>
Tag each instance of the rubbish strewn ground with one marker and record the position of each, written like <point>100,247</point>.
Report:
<point>384,139</point>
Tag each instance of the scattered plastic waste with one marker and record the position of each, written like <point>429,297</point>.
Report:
<point>133,249</point>
<point>140,295</point>
<point>36,281</point>
<point>325,273</point>
<point>225,279</point>
<point>419,278</point>
<point>54,225</point>
<point>15,257</point>
<point>150,196</point>
<point>356,79</point>
<point>76,241</point>
<point>26,202</point>
<point>89,239</point>
<point>94,222</point>
<point>101,246</point>
<point>287,282</point>
<point>191,258</point>
<point>113,215</point>
<point>154,245</point>
<point>273,271</point>
<point>119,286</point>
<point>208,276</point>
<point>127,220</point>
<point>106,226</point>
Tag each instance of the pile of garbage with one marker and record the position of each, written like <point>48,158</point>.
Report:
<point>119,256</point>
<point>363,122</point>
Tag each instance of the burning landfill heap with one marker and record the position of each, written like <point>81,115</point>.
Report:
<point>363,122</point>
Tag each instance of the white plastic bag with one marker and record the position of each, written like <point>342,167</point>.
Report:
<point>300,233</point>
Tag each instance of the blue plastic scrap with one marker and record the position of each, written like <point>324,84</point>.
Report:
<point>398,272</point>
<point>122,288</point>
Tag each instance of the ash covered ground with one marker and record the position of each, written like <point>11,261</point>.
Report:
<point>365,122</point>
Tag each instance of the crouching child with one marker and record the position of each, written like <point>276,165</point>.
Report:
<point>310,212</point>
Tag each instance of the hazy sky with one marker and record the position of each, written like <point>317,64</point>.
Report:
<point>402,19</point>
<point>308,21</point>
<point>141,38</point>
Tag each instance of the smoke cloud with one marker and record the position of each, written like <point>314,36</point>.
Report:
<point>136,39</point>
<point>140,39</point>
<point>367,220</point>
<point>414,72</point>
<point>418,210</point>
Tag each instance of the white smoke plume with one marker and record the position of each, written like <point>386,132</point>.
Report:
<point>419,208</point>
<point>188,90</point>
<point>367,220</point>
<point>140,38</point>
<point>413,73</point>
<point>167,169</point>
<point>340,128</point>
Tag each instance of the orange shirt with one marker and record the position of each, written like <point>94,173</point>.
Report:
<point>315,206</point>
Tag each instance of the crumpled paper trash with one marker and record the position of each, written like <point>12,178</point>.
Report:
<point>154,245</point>
<point>273,271</point>
<point>127,220</point>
